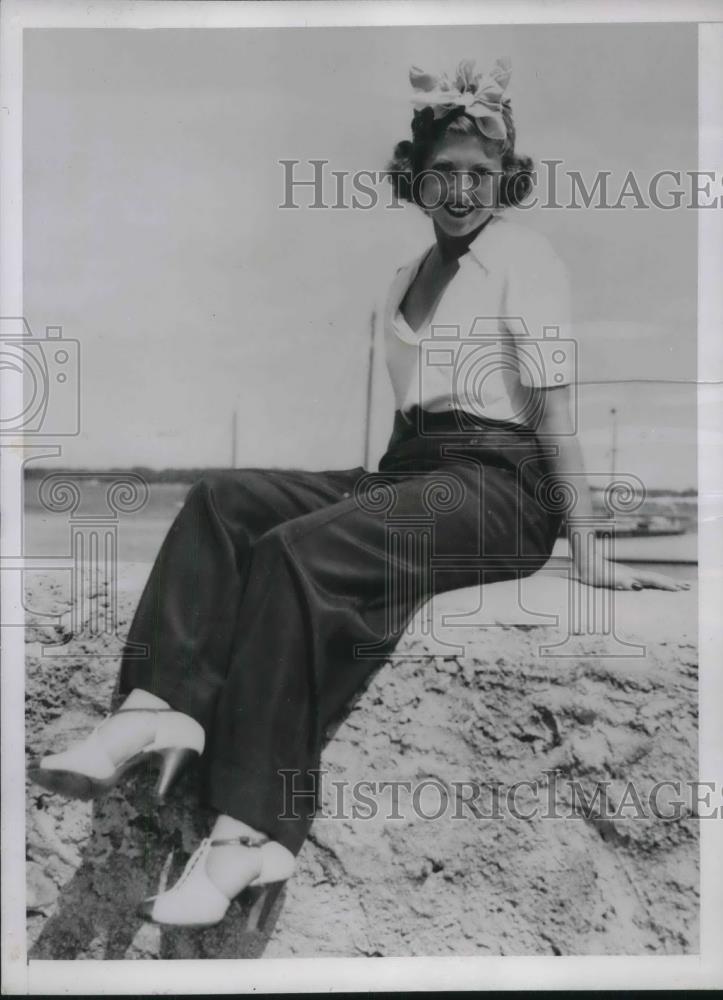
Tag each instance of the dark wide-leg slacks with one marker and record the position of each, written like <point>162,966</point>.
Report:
<point>276,594</point>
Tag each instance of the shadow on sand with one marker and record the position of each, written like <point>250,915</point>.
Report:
<point>136,847</point>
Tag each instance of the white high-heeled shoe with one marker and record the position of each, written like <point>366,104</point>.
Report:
<point>86,771</point>
<point>195,901</point>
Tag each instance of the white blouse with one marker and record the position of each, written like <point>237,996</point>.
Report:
<point>500,330</point>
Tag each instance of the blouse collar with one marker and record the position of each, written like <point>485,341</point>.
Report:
<point>481,246</point>
<point>480,250</point>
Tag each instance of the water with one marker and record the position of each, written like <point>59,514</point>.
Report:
<point>140,534</point>
<point>673,555</point>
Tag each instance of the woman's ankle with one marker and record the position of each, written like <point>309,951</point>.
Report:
<point>279,862</point>
<point>226,828</point>
<point>140,698</point>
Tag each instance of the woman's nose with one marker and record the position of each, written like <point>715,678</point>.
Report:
<point>463,186</point>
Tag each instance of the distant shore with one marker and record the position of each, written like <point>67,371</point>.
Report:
<point>191,474</point>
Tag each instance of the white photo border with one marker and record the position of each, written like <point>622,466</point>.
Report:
<point>301,975</point>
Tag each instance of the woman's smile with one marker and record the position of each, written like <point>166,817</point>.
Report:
<point>459,190</point>
<point>459,211</point>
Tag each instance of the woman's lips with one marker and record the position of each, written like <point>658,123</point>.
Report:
<point>459,211</point>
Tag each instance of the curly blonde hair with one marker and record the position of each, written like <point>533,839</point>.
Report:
<point>410,156</point>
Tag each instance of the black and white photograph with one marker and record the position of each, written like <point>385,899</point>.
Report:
<point>361,518</point>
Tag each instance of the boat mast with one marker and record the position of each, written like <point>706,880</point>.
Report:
<point>370,379</point>
<point>234,437</point>
<point>614,448</point>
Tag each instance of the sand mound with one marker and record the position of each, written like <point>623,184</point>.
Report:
<point>492,873</point>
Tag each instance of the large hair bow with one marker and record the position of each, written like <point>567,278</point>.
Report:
<point>480,94</point>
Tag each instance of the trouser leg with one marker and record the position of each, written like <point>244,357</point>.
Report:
<point>188,612</point>
<point>320,587</point>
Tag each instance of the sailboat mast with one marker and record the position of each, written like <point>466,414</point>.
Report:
<point>370,379</point>
<point>614,448</point>
<point>234,438</point>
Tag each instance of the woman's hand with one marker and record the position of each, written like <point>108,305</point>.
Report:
<point>617,576</point>
<point>589,565</point>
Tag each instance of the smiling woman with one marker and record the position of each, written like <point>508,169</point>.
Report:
<point>462,170</point>
<point>278,592</point>
<point>481,172</point>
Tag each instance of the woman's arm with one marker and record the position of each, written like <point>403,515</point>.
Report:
<point>589,566</point>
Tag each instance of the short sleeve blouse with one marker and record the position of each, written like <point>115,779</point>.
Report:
<point>500,330</point>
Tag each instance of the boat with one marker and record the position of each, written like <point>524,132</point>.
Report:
<point>637,525</point>
<point>643,526</point>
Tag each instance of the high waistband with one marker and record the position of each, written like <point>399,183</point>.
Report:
<point>420,422</point>
<point>424,440</point>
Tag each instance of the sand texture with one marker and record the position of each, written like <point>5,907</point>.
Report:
<point>495,712</point>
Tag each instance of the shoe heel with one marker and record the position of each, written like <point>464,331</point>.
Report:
<point>173,761</point>
<point>261,901</point>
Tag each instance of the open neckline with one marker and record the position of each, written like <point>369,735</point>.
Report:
<point>399,317</point>
<point>415,274</point>
<point>404,329</point>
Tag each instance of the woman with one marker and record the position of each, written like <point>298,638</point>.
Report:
<point>277,593</point>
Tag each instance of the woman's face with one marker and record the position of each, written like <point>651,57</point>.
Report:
<point>460,183</point>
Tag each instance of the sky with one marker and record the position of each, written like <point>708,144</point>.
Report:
<point>153,233</point>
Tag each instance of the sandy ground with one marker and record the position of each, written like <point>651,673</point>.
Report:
<point>471,700</point>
